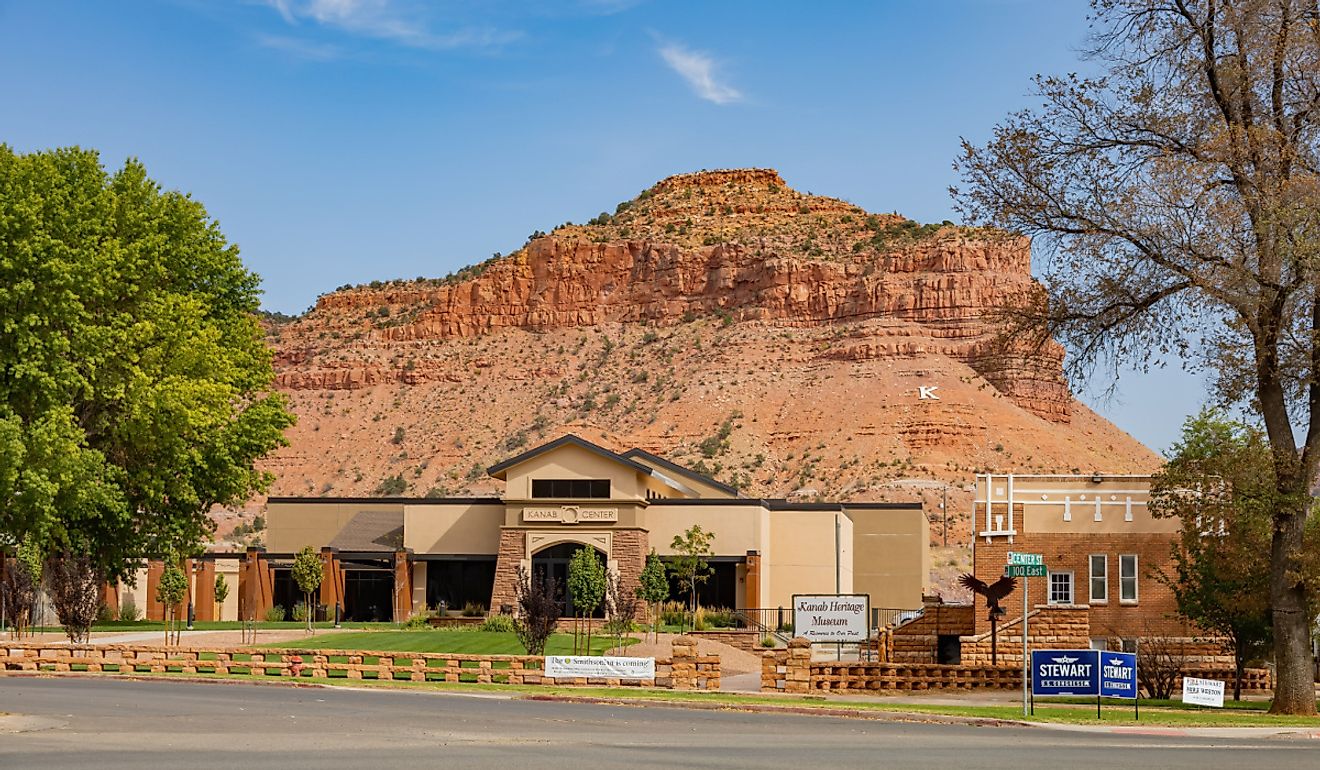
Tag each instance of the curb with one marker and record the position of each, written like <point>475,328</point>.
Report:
<point>765,708</point>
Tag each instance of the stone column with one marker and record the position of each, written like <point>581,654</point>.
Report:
<point>752,589</point>
<point>402,587</point>
<point>155,610</point>
<point>797,676</point>
<point>204,593</point>
<point>332,582</point>
<point>630,547</point>
<point>513,546</point>
<point>256,585</point>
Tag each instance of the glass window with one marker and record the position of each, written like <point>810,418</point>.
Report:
<point>571,488</point>
<point>1061,588</point>
<point>1099,577</point>
<point>1127,577</point>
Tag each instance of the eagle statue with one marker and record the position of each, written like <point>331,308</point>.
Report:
<point>992,592</point>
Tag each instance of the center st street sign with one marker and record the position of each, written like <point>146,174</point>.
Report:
<point>1026,559</point>
<point>1025,570</point>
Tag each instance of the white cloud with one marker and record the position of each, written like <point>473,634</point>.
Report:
<point>698,70</point>
<point>391,20</point>
<point>303,49</point>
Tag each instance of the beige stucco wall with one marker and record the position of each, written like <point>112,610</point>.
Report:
<point>292,526</point>
<point>452,528</point>
<point>572,462</point>
<point>1067,504</point>
<point>737,528</point>
<point>891,561</point>
<point>802,555</point>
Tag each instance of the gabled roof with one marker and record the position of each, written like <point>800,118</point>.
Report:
<point>499,468</point>
<point>680,470</point>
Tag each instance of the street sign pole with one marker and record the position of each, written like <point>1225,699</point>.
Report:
<point>1026,582</point>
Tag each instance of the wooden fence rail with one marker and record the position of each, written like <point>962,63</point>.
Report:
<point>684,670</point>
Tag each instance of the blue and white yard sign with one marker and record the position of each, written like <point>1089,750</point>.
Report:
<point>1118,674</point>
<point>1065,672</point>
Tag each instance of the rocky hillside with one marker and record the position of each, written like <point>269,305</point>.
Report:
<point>781,341</point>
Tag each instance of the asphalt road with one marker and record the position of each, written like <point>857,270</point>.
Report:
<point>107,724</point>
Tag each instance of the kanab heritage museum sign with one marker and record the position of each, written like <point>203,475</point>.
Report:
<point>1085,672</point>
<point>832,618</point>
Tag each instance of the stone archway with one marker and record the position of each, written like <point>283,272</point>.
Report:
<point>553,562</point>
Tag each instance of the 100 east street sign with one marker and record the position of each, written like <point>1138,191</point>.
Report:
<point>1025,570</point>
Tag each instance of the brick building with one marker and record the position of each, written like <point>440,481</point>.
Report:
<point>1102,549</point>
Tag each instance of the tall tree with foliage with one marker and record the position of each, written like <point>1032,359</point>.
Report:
<point>586,584</point>
<point>1178,198</point>
<point>689,564</point>
<point>653,588</point>
<point>134,378</point>
<point>308,573</point>
<point>170,592</point>
<point>1219,483</point>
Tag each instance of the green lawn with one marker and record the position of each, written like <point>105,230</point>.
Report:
<point>433,640</point>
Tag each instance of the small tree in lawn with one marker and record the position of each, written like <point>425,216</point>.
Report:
<point>171,589</point>
<point>586,584</point>
<point>689,564</point>
<point>307,574</point>
<point>653,588</point>
<point>221,593</point>
<point>620,608</point>
<point>538,610</point>
<point>19,588</point>
<point>75,590</point>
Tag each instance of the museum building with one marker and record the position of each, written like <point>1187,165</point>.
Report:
<point>387,558</point>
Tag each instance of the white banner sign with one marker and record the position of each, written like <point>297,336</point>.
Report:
<point>1203,692</point>
<point>569,666</point>
<point>832,617</point>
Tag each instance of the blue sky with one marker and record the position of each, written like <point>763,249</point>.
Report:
<point>341,141</point>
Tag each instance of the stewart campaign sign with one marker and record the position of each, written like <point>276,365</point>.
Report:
<point>1064,672</point>
<point>1118,674</point>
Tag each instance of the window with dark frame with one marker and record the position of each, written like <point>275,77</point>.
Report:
<point>1127,578</point>
<point>1099,578</point>
<point>1061,588</point>
<point>571,488</point>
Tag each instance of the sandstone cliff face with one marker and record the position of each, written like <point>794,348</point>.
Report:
<point>806,324</point>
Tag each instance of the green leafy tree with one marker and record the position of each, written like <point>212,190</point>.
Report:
<point>1177,196</point>
<point>170,592</point>
<point>221,593</point>
<point>307,573</point>
<point>134,378</point>
<point>1219,483</point>
<point>653,587</point>
<point>689,564</point>
<point>586,584</point>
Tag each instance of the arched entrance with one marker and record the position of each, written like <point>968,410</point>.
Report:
<point>553,562</point>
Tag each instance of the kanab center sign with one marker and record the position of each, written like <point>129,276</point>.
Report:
<point>834,618</point>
